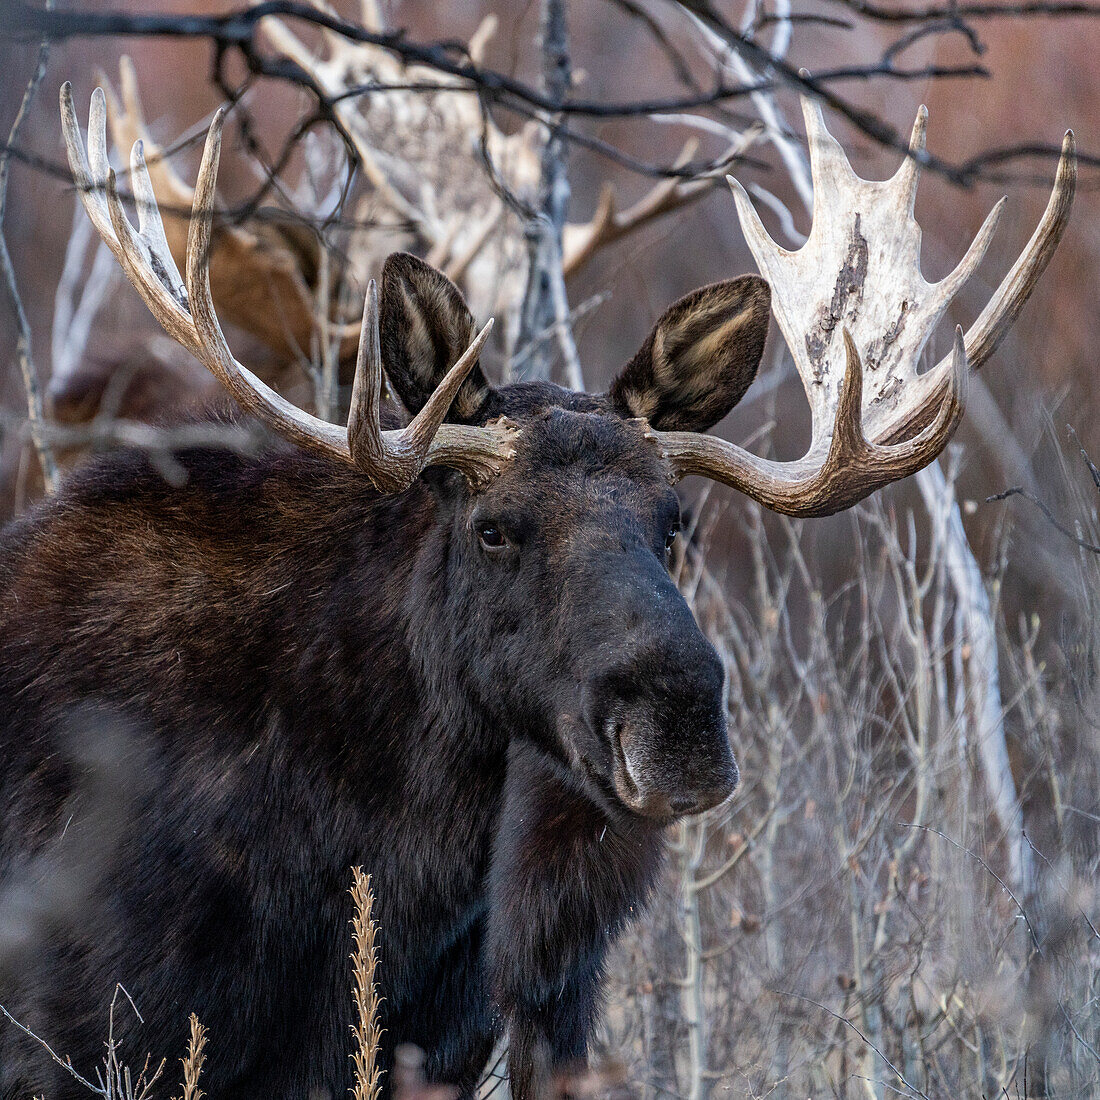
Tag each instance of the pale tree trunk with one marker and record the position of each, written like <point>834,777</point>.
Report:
<point>545,306</point>
<point>981,668</point>
<point>691,843</point>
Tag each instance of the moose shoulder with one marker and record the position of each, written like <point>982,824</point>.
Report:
<point>448,652</point>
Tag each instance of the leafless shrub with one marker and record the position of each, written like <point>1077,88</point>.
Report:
<point>115,1080</point>
<point>847,924</point>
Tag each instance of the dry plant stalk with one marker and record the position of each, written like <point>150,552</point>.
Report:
<point>192,1064</point>
<point>364,959</point>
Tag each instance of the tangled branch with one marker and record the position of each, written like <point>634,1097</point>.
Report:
<point>236,31</point>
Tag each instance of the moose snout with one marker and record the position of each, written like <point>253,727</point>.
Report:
<point>655,700</point>
<point>665,774</point>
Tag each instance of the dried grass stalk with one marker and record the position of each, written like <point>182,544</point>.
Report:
<point>368,1033</point>
<point>192,1064</point>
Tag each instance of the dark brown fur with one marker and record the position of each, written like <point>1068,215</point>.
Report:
<point>311,677</point>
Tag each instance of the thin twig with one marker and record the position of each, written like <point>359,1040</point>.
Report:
<point>545,301</point>
<point>1061,528</point>
<point>31,386</point>
<point>236,31</point>
<point>844,1020</point>
<point>985,866</point>
<point>64,1063</point>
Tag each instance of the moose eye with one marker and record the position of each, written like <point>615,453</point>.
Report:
<point>490,536</point>
<point>670,538</point>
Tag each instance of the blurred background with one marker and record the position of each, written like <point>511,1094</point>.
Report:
<point>903,896</point>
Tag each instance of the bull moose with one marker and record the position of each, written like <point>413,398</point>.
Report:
<point>448,650</point>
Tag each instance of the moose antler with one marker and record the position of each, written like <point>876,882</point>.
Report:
<point>408,139</point>
<point>420,124</point>
<point>580,242</point>
<point>856,314</point>
<point>258,274</point>
<point>184,308</point>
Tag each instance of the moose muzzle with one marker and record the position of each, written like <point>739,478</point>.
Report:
<point>659,709</point>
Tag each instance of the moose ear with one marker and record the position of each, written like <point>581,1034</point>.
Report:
<point>425,327</point>
<point>700,357</point>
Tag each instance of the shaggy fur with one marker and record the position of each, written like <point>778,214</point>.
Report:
<point>310,677</point>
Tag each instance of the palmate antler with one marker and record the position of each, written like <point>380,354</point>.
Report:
<point>458,214</point>
<point>392,460</point>
<point>409,134</point>
<point>851,303</point>
<point>856,314</point>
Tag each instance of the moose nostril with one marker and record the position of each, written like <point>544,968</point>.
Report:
<point>682,804</point>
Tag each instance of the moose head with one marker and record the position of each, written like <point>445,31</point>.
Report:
<point>558,509</point>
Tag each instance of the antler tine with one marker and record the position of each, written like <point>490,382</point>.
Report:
<point>951,284</point>
<point>936,435</point>
<point>1002,309</point>
<point>908,175</point>
<point>135,256</point>
<point>251,267</point>
<point>428,421</point>
<point>186,311</point>
<point>891,424</point>
<point>131,96</point>
<point>150,225</point>
<point>769,256</point>
<point>394,459</point>
<point>90,189</point>
<point>918,450</point>
<point>851,453</point>
<point>364,428</point>
<point>126,118</point>
<point>156,277</point>
<point>829,166</point>
<point>609,224</point>
<point>370,14</point>
<point>848,441</point>
<point>480,39</point>
<point>248,390</point>
<point>98,160</point>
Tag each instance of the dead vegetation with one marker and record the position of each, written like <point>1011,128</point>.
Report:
<point>858,922</point>
<point>117,1080</point>
<point>364,962</point>
<point>902,898</point>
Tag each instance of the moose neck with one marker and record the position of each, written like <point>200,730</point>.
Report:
<point>387,647</point>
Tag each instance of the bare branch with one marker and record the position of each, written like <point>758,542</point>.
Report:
<point>31,385</point>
